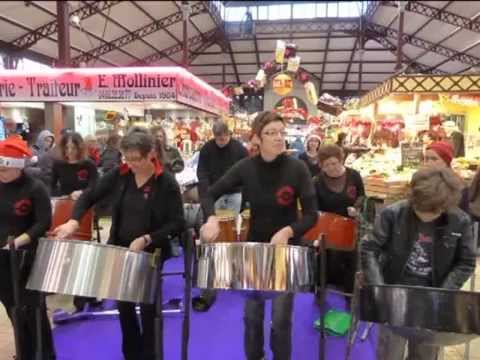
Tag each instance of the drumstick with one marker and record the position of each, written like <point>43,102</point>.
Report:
<point>239,226</point>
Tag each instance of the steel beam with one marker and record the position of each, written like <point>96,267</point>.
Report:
<point>325,54</point>
<point>300,51</point>
<point>447,17</point>
<point>33,36</point>
<point>415,67</point>
<point>308,62</point>
<point>113,21</point>
<point>319,25</point>
<point>352,55</point>
<point>424,44</point>
<point>63,21</point>
<point>192,42</point>
<point>372,7</point>
<point>160,24</point>
<point>257,52</point>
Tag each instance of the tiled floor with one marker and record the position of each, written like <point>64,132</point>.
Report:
<point>65,302</point>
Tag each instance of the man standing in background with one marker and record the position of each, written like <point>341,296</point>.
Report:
<point>216,157</point>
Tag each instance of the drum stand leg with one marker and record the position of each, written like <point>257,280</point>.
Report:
<point>355,325</point>
<point>38,325</point>
<point>188,293</point>
<point>159,317</point>
<point>322,290</point>
<point>17,308</point>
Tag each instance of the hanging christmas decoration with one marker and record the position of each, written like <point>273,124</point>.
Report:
<point>311,92</point>
<point>282,84</point>
<point>280,51</point>
<point>293,64</point>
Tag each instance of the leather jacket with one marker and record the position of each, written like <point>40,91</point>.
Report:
<point>385,252</point>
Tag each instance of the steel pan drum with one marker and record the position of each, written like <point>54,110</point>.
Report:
<point>94,270</point>
<point>62,208</point>
<point>256,267</point>
<point>434,316</point>
<point>340,232</point>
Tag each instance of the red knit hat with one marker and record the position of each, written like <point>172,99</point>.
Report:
<point>13,152</point>
<point>443,149</point>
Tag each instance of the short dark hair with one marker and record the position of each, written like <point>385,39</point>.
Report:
<point>138,139</point>
<point>263,119</point>
<point>435,188</point>
<point>328,151</point>
<point>77,141</point>
<point>219,128</point>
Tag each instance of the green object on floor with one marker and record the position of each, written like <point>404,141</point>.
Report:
<point>337,323</point>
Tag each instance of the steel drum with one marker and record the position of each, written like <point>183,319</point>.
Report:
<point>258,267</point>
<point>340,232</point>
<point>90,269</point>
<point>434,316</point>
<point>62,208</point>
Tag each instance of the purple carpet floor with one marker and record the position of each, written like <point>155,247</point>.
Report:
<point>215,335</point>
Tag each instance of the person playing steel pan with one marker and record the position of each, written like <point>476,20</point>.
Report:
<point>25,215</point>
<point>423,241</point>
<point>273,182</point>
<point>216,157</point>
<point>73,173</point>
<point>148,213</point>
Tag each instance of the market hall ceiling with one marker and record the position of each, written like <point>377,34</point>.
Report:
<point>438,37</point>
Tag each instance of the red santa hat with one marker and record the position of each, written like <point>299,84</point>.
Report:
<point>13,152</point>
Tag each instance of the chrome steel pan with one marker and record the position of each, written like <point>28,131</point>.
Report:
<point>435,316</point>
<point>90,269</point>
<point>255,266</point>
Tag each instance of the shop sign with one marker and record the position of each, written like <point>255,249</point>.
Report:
<point>412,154</point>
<point>111,85</point>
<point>282,84</point>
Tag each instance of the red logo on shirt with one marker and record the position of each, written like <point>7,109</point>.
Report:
<point>82,174</point>
<point>146,191</point>
<point>285,195</point>
<point>352,192</point>
<point>23,207</point>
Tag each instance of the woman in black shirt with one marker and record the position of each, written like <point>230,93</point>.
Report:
<point>71,175</point>
<point>338,189</point>
<point>148,213</point>
<point>310,156</point>
<point>273,182</point>
<point>73,172</point>
<point>25,215</point>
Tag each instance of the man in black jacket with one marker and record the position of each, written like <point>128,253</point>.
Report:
<point>216,157</point>
<point>423,241</point>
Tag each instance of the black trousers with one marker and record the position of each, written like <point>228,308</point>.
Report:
<point>341,268</point>
<point>138,339</point>
<point>30,308</point>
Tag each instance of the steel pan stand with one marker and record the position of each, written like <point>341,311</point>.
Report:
<point>188,241</point>
<point>16,311</point>
<point>322,290</point>
<point>158,323</point>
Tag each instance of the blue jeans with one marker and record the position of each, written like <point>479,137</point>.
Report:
<point>280,331</point>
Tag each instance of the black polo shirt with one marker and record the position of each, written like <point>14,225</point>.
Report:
<point>134,211</point>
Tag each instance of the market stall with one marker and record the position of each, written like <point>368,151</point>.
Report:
<point>407,113</point>
<point>130,93</point>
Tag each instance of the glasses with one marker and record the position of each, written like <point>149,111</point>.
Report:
<point>273,133</point>
<point>133,159</point>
